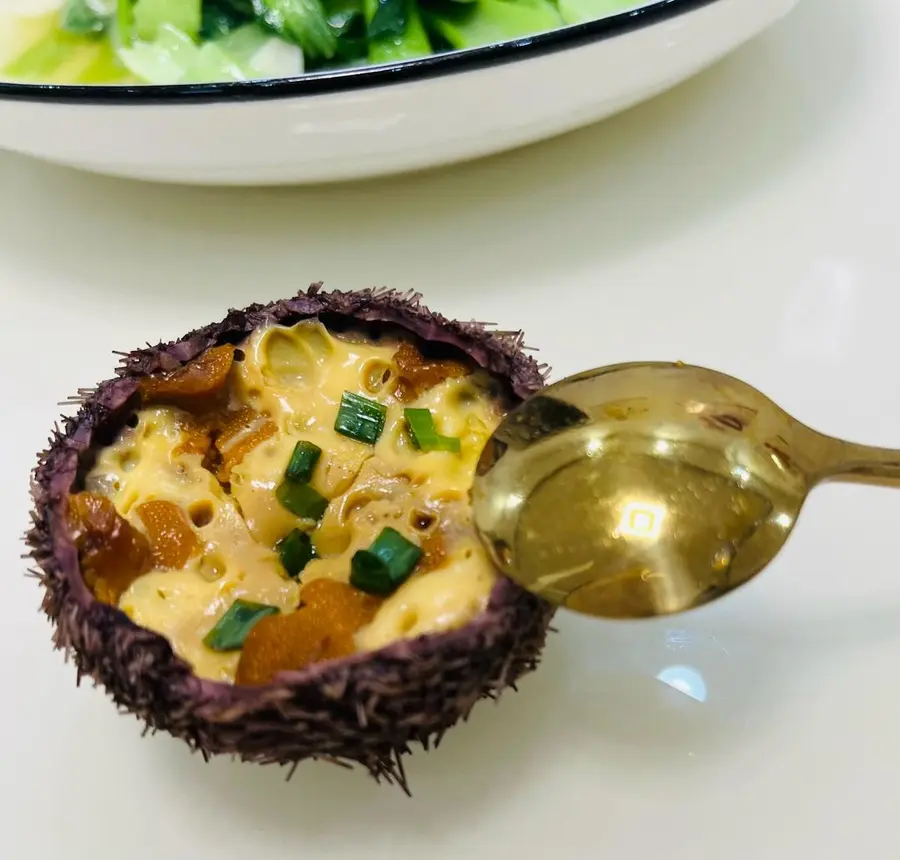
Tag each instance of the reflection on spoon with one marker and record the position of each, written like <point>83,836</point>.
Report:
<point>640,490</point>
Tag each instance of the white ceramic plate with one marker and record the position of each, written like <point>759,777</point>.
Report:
<point>380,120</point>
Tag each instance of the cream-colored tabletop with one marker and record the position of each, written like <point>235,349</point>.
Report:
<point>747,221</point>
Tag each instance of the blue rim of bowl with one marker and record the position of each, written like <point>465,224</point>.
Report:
<point>361,77</point>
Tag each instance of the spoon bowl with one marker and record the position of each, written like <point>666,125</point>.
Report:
<point>648,489</point>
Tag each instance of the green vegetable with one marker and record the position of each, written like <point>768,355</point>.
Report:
<point>66,57</point>
<point>244,42</point>
<point>303,461</point>
<point>199,41</point>
<point>104,67</point>
<point>300,21</point>
<point>578,11</point>
<point>222,19</point>
<point>344,16</point>
<point>121,30</point>
<point>347,21</point>
<point>385,565</point>
<point>301,500</point>
<point>211,63</point>
<point>151,15</point>
<point>360,418</point>
<point>487,21</point>
<point>295,551</point>
<point>231,630</point>
<point>424,434</point>
<point>238,7</point>
<point>395,31</point>
<point>260,54</point>
<point>165,60</point>
<point>44,57</point>
<point>388,20</point>
<point>85,18</point>
<point>276,59</point>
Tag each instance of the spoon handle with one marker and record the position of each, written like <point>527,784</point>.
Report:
<point>848,461</point>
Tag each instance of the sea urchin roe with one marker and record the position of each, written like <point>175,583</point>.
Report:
<point>201,377</point>
<point>172,540</point>
<point>240,433</point>
<point>434,550</point>
<point>223,438</point>
<point>225,464</point>
<point>198,434</point>
<point>417,374</point>
<point>339,602</point>
<point>321,629</point>
<point>113,554</point>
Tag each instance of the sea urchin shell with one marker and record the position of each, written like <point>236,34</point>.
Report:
<point>368,708</point>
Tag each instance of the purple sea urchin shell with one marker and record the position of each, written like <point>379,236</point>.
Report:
<point>366,709</point>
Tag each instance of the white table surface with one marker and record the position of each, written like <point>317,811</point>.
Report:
<point>747,221</point>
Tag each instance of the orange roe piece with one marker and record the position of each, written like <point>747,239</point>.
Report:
<point>322,628</point>
<point>418,374</point>
<point>240,433</point>
<point>434,551</point>
<point>198,434</point>
<point>113,553</point>
<point>280,643</point>
<point>172,540</point>
<point>202,377</point>
<point>342,604</point>
<point>225,438</point>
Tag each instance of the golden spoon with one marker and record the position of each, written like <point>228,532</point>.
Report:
<point>647,489</point>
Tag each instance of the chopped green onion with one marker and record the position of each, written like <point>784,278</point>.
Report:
<point>360,418</point>
<point>385,565</point>
<point>232,628</point>
<point>301,500</point>
<point>303,461</point>
<point>370,574</point>
<point>400,554</point>
<point>295,551</point>
<point>424,434</point>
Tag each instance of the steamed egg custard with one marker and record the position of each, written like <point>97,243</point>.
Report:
<point>300,497</point>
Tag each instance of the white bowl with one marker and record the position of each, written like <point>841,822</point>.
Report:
<point>379,120</point>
